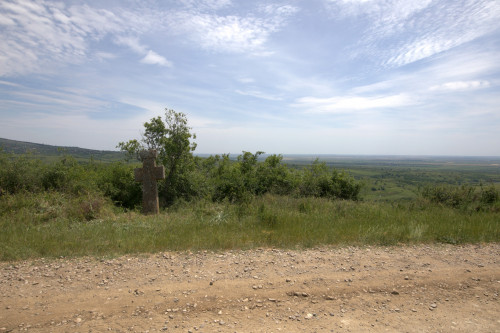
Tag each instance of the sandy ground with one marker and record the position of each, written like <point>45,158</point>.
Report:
<point>397,289</point>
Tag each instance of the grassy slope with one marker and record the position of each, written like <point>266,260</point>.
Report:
<point>269,221</point>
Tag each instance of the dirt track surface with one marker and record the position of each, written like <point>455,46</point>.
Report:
<point>405,289</point>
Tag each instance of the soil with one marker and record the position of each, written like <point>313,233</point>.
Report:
<point>424,288</point>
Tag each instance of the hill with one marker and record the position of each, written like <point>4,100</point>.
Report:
<point>49,152</point>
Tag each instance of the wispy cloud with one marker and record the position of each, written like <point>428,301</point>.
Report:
<point>205,4</point>
<point>150,57</point>
<point>259,94</point>
<point>349,104</point>
<point>460,86</point>
<point>230,33</point>
<point>39,36</point>
<point>401,32</point>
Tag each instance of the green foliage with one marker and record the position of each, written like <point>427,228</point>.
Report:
<point>229,181</point>
<point>117,182</point>
<point>220,178</point>
<point>464,196</point>
<point>19,174</point>
<point>274,177</point>
<point>489,195</point>
<point>171,138</point>
<point>320,181</point>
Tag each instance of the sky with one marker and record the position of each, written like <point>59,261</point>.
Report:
<point>360,77</point>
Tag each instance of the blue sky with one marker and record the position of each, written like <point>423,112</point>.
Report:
<point>398,77</point>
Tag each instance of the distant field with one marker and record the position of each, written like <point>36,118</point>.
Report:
<point>390,178</point>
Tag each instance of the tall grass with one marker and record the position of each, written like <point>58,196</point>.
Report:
<point>52,224</point>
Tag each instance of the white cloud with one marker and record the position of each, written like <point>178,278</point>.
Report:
<point>153,58</point>
<point>230,33</point>
<point>460,86</point>
<point>401,32</point>
<point>46,34</point>
<point>40,36</point>
<point>222,33</point>
<point>6,83</point>
<point>381,12</point>
<point>352,103</point>
<point>150,57</point>
<point>133,43</point>
<point>205,4</point>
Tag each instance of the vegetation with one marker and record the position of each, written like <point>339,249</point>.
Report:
<point>50,153</point>
<point>70,208</point>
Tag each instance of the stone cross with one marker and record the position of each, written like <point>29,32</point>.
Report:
<point>148,175</point>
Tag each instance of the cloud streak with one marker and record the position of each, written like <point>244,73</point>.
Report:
<point>460,86</point>
<point>350,104</point>
<point>402,32</point>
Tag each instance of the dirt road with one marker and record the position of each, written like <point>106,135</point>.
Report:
<point>405,289</point>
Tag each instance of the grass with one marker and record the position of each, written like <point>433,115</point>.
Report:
<point>54,225</point>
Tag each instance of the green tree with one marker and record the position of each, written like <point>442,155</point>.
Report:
<point>171,138</point>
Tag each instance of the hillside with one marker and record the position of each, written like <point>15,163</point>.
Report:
<point>48,152</point>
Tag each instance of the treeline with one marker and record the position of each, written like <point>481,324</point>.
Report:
<point>216,178</point>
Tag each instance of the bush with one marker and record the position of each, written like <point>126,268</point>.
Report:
<point>319,181</point>
<point>465,196</point>
<point>489,195</point>
<point>117,182</point>
<point>18,174</point>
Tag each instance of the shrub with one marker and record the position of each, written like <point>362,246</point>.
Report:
<point>117,182</point>
<point>489,195</point>
<point>320,181</point>
<point>465,196</point>
<point>20,173</point>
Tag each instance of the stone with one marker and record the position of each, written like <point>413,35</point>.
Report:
<point>148,175</point>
